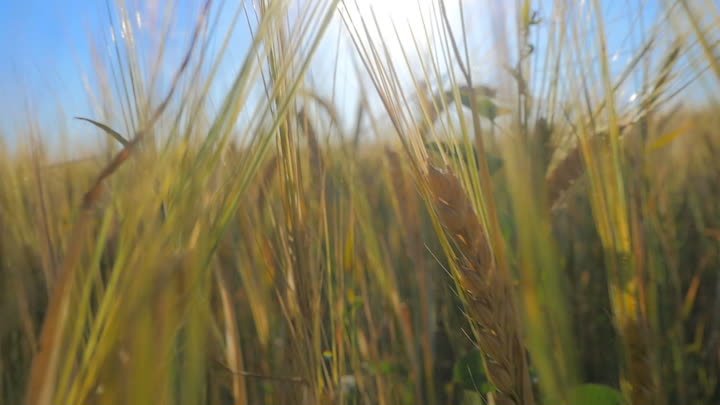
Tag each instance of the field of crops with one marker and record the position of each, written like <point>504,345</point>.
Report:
<point>255,238</point>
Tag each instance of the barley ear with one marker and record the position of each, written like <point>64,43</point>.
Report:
<point>488,291</point>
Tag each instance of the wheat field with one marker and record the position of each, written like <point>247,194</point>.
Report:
<point>437,237</point>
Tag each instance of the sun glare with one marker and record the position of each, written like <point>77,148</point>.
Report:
<point>400,23</point>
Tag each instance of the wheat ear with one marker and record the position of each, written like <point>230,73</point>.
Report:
<point>488,291</point>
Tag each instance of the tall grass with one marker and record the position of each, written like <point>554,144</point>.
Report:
<point>533,240</point>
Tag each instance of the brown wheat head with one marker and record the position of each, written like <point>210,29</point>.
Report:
<point>488,291</point>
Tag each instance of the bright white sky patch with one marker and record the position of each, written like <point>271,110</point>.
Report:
<point>399,25</point>
<point>405,15</point>
<point>397,29</point>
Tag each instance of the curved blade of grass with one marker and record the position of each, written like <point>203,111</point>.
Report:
<point>115,134</point>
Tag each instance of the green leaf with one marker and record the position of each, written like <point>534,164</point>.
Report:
<point>387,368</point>
<point>494,162</point>
<point>595,394</point>
<point>115,134</point>
<point>486,108</point>
<point>484,97</point>
<point>469,373</point>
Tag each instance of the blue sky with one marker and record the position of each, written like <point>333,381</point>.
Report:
<point>42,49</point>
<point>47,53</point>
<point>47,58</point>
